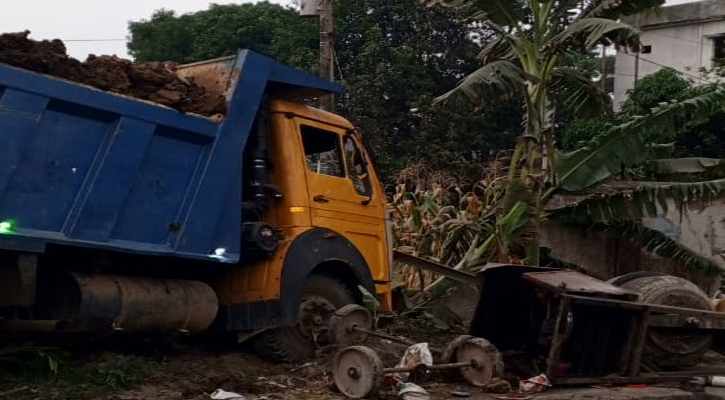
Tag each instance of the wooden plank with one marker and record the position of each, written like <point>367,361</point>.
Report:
<point>626,357</point>
<point>428,265</point>
<point>639,334</point>
<point>560,335</point>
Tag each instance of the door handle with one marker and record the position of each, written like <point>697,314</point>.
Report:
<point>321,199</point>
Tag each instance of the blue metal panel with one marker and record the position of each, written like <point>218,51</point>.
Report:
<point>284,74</point>
<point>84,167</point>
<point>110,187</point>
<point>19,115</point>
<point>156,196</point>
<point>221,184</point>
<point>51,169</point>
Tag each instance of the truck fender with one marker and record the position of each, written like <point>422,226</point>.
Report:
<point>310,253</point>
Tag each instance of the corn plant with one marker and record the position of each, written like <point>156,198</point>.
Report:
<point>442,217</point>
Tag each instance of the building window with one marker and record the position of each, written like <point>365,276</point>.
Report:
<point>718,57</point>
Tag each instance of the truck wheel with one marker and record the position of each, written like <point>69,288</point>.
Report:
<point>622,279</point>
<point>666,348</point>
<point>321,297</point>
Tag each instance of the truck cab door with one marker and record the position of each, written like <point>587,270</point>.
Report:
<point>344,197</point>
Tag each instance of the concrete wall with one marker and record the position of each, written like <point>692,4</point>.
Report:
<point>605,255</point>
<point>702,229</point>
<point>680,38</point>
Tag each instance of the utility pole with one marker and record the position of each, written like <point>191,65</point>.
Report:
<point>636,67</point>
<point>604,68</point>
<point>327,49</point>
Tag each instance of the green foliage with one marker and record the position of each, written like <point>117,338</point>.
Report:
<point>705,139</point>
<point>580,131</point>
<point>663,86</point>
<point>620,207</point>
<point>439,217</point>
<point>222,30</point>
<point>117,371</point>
<point>31,358</point>
<point>618,204</point>
<point>85,379</point>
<point>370,301</point>
<point>617,8</point>
<point>533,39</point>
<point>660,244</point>
<point>627,144</point>
<point>392,57</point>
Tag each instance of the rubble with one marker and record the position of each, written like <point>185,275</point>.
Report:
<point>152,81</point>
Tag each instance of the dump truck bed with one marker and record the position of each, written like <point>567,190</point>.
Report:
<point>83,167</point>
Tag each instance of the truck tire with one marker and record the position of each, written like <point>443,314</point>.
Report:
<point>321,297</point>
<point>672,349</point>
<point>622,279</point>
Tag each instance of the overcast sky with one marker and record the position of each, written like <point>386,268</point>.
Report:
<point>99,27</point>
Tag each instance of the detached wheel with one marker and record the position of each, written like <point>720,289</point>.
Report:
<point>449,356</point>
<point>321,297</point>
<point>622,279</point>
<point>664,347</point>
<point>357,371</point>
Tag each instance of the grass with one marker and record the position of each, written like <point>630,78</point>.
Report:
<point>27,376</point>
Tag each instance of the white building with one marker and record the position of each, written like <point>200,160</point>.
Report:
<point>688,37</point>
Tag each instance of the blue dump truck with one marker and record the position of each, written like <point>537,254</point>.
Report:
<point>123,216</point>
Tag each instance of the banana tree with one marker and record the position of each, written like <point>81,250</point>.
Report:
<point>526,60</point>
<point>615,205</point>
<point>621,207</point>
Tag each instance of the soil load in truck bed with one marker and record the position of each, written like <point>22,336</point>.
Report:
<point>152,81</point>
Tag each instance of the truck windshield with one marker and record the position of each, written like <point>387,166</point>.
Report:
<point>357,167</point>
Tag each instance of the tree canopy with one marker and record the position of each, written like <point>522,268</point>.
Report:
<point>705,138</point>
<point>391,56</point>
<point>223,29</point>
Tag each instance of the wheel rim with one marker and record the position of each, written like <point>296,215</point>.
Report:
<point>483,357</point>
<point>344,321</point>
<point>315,314</point>
<point>357,371</point>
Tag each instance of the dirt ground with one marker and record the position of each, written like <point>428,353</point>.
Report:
<point>194,375</point>
<point>152,81</point>
<point>193,369</point>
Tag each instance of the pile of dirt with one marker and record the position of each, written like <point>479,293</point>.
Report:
<point>153,81</point>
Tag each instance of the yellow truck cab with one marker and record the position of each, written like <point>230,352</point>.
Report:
<point>333,227</point>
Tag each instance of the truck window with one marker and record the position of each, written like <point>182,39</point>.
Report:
<point>322,151</point>
<point>357,167</point>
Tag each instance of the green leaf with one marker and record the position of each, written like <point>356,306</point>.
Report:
<point>489,83</point>
<point>498,49</point>
<point>660,244</point>
<point>615,8</point>
<point>587,33</point>
<point>513,220</point>
<point>624,145</point>
<point>688,165</point>
<point>580,93</point>
<point>500,12</point>
<point>369,300</point>
<point>626,201</point>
